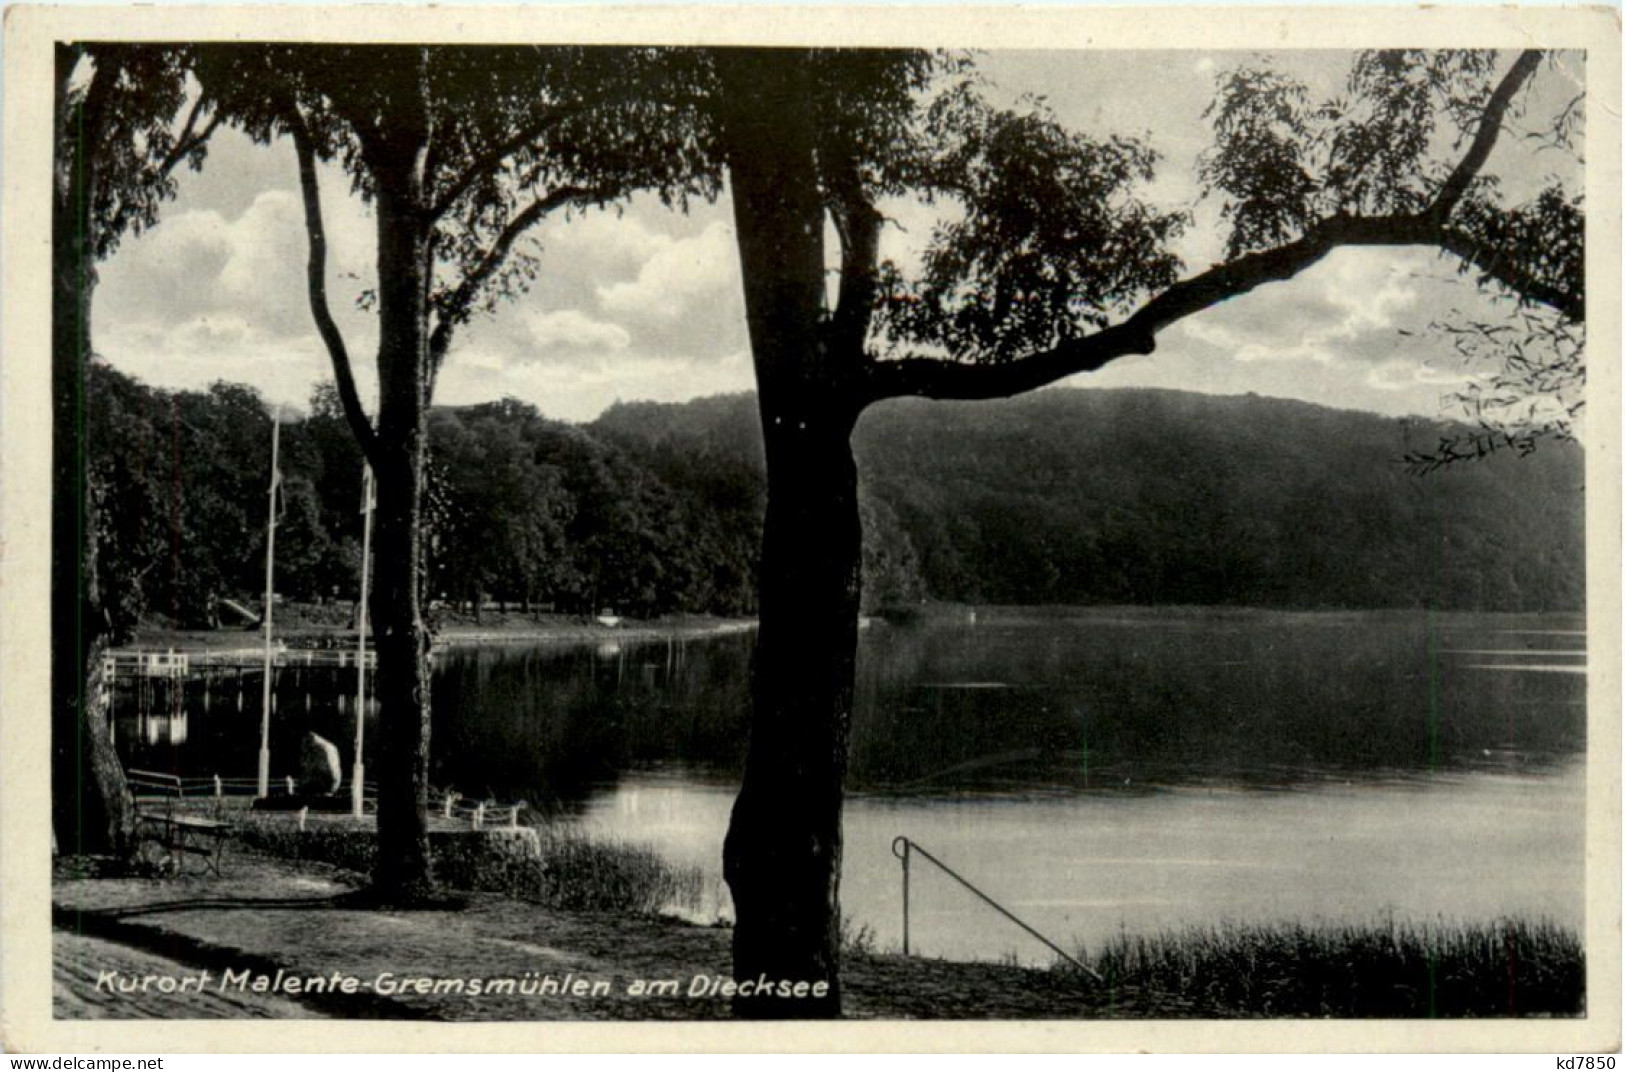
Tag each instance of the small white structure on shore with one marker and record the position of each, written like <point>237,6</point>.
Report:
<point>320,773</point>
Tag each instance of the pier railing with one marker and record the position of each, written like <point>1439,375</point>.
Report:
<point>145,783</point>
<point>905,850</point>
<point>481,814</point>
<point>448,804</point>
<point>169,663</point>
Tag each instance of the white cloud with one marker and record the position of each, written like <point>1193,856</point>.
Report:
<point>212,333</point>
<point>1406,373</point>
<point>1348,309</point>
<point>581,391</point>
<point>569,329</point>
<point>600,242</point>
<point>204,277</point>
<point>681,274</point>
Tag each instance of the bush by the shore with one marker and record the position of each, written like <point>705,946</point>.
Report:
<point>1504,968</point>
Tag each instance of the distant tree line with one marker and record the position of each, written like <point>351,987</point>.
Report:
<point>1171,497</point>
<point>524,510</point>
<point>1064,497</point>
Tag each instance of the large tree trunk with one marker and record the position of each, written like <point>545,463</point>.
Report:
<point>782,857</point>
<point>783,852</point>
<point>91,807</point>
<point>402,872</point>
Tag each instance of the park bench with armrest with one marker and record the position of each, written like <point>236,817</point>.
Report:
<point>179,833</point>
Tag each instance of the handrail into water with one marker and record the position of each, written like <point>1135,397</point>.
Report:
<point>903,848</point>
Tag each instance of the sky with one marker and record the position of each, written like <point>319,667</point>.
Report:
<point>644,303</point>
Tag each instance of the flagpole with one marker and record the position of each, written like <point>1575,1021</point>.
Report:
<point>270,597</point>
<point>358,769</point>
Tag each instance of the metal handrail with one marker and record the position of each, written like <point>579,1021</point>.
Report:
<point>903,848</point>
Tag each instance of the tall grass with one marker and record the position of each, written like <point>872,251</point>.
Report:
<point>1396,970</point>
<point>584,874</point>
<point>572,871</point>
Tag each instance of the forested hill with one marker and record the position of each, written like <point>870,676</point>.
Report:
<point>1151,496</point>
<point>1064,496</point>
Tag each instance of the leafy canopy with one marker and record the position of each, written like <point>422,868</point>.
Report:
<point>118,105</point>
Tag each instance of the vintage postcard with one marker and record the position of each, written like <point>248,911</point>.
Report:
<point>977,528</point>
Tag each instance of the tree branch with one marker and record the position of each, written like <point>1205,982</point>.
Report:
<point>941,378</point>
<point>858,223</point>
<point>1506,272</point>
<point>1489,129</point>
<point>316,284</point>
<point>189,139</point>
<point>488,160</point>
<point>455,309</point>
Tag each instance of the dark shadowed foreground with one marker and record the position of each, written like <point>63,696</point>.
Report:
<point>304,920</point>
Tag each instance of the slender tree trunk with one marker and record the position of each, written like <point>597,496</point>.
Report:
<point>92,810</point>
<point>402,873</point>
<point>782,857</point>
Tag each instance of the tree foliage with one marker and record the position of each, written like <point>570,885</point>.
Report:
<point>1409,139</point>
<point>119,106</point>
<point>523,510</point>
<point>1147,497</point>
<point>517,135</point>
<point>1052,240</point>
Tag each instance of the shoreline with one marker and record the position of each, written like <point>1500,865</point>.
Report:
<point>461,635</point>
<point>305,636</point>
<point>307,630</point>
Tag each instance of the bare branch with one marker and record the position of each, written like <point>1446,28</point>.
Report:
<point>487,161</point>
<point>190,138</point>
<point>316,283</point>
<point>1489,129</point>
<point>455,309</point>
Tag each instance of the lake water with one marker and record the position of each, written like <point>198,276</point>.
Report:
<point>1095,771</point>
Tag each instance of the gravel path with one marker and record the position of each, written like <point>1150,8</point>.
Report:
<point>81,962</point>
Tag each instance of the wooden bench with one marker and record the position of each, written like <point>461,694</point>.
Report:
<point>178,833</point>
<point>187,835</point>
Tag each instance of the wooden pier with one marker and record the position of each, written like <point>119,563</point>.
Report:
<point>135,662</point>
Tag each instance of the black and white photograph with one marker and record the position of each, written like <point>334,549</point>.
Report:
<point>1076,517</point>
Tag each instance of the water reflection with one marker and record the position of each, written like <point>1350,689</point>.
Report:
<point>552,724</point>
<point>1016,704</point>
<point>1126,700</point>
<point>1097,770</point>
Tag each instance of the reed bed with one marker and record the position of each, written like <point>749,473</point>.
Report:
<point>586,874</point>
<point>1505,968</point>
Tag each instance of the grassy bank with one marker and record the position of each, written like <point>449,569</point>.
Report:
<point>1387,970</point>
<point>302,917</point>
